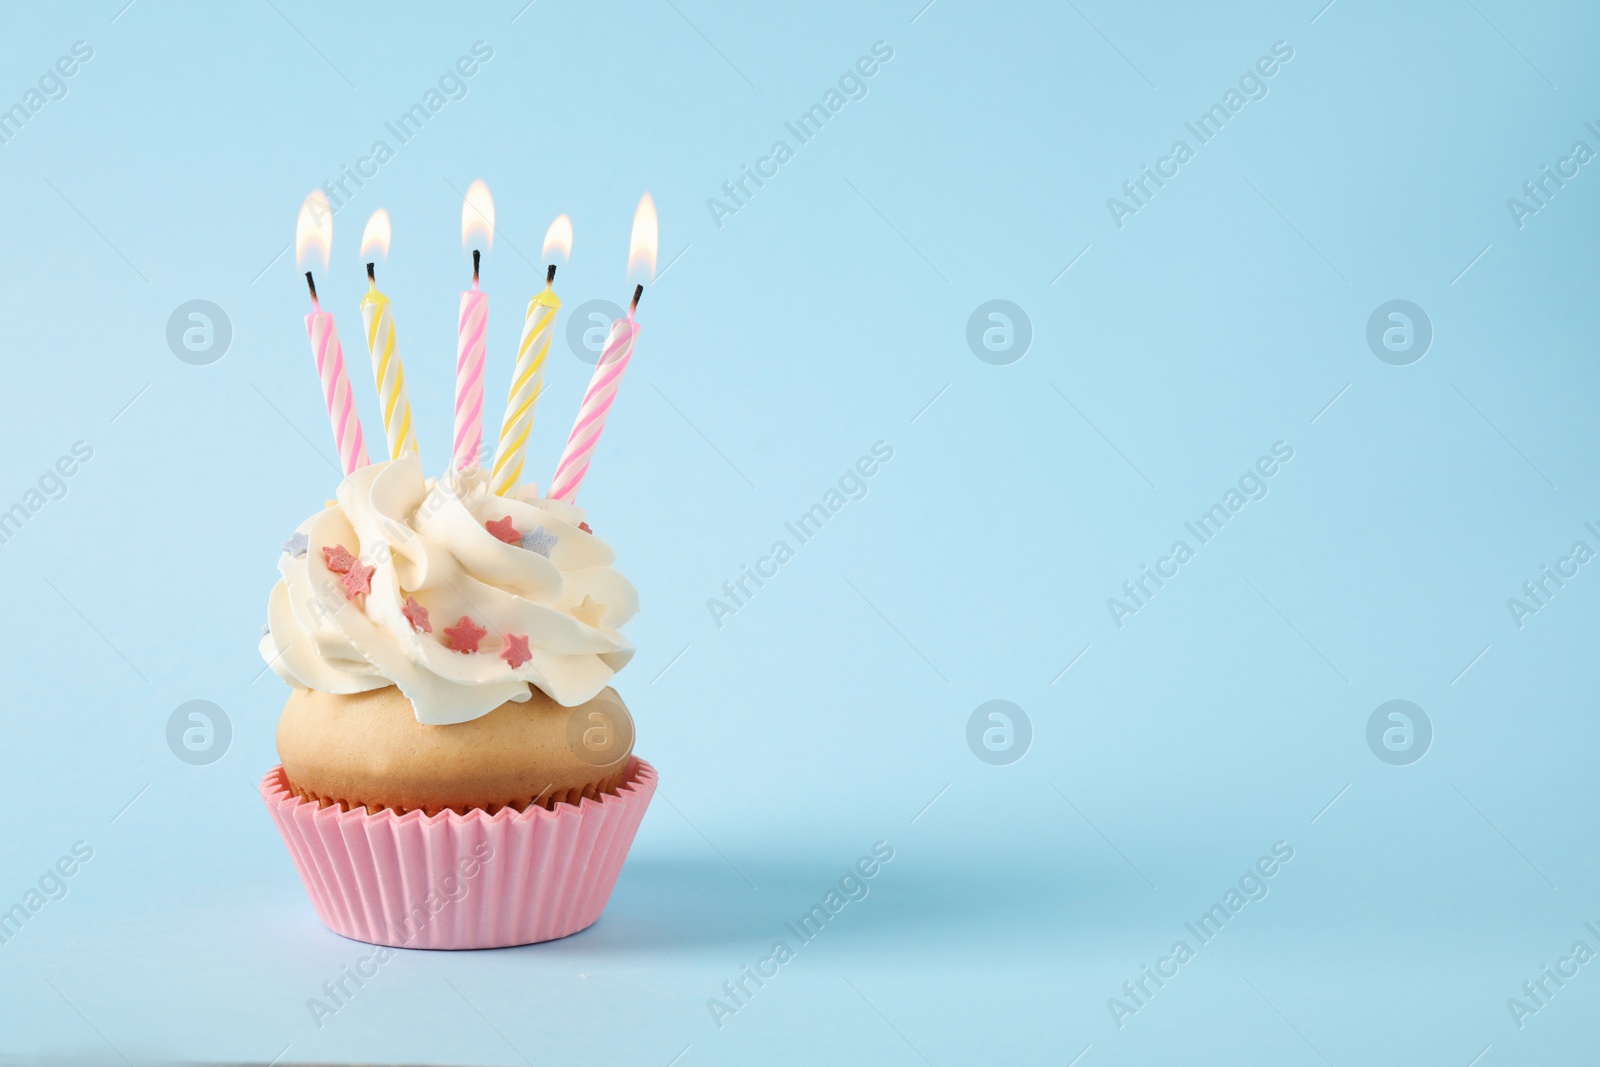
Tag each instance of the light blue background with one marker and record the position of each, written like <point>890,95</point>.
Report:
<point>830,711</point>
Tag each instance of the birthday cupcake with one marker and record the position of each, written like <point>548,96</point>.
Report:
<point>457,771</point>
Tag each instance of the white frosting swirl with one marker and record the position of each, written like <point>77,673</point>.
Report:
<point>428,540</point>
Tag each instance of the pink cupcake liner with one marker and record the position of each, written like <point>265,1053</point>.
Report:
<point>452,881</point>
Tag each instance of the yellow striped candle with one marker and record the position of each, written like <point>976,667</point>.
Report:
<point>527,382</point>
<point>387,370</point>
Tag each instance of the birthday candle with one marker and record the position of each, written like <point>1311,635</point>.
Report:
<point>325,349</point>
<point>527,382</point>
<point>313,234</point>
<point>614,357</point>
<point>387,370</point>
<point>470,343</point>
<point>477,217</point>
<point>596,406</point>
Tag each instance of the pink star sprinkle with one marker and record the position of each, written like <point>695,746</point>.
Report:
<point>338,558</point>
<point>416,615</point>
<point>357,580</point>
<point>465,635</point>
<point>503,529</point>
<point>585,527</point>
<point>516,651</point>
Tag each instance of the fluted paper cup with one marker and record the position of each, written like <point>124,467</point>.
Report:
<point>453,881</point>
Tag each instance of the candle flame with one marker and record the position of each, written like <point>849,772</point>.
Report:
<point>558,238</point>
<point>646,236</point>
<point>477,217</point>
<point>313,230</point>
<point>376,237</point>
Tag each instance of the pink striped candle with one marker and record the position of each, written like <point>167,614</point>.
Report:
<point>325,349</point>
<point>470,346</point>
<point>596,405</point>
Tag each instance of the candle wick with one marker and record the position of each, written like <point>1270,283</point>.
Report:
<point>371,277</point>
<point>550,275</point>
<point>638,291</point>
<point>475,255</point>
<point>312,285</point>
